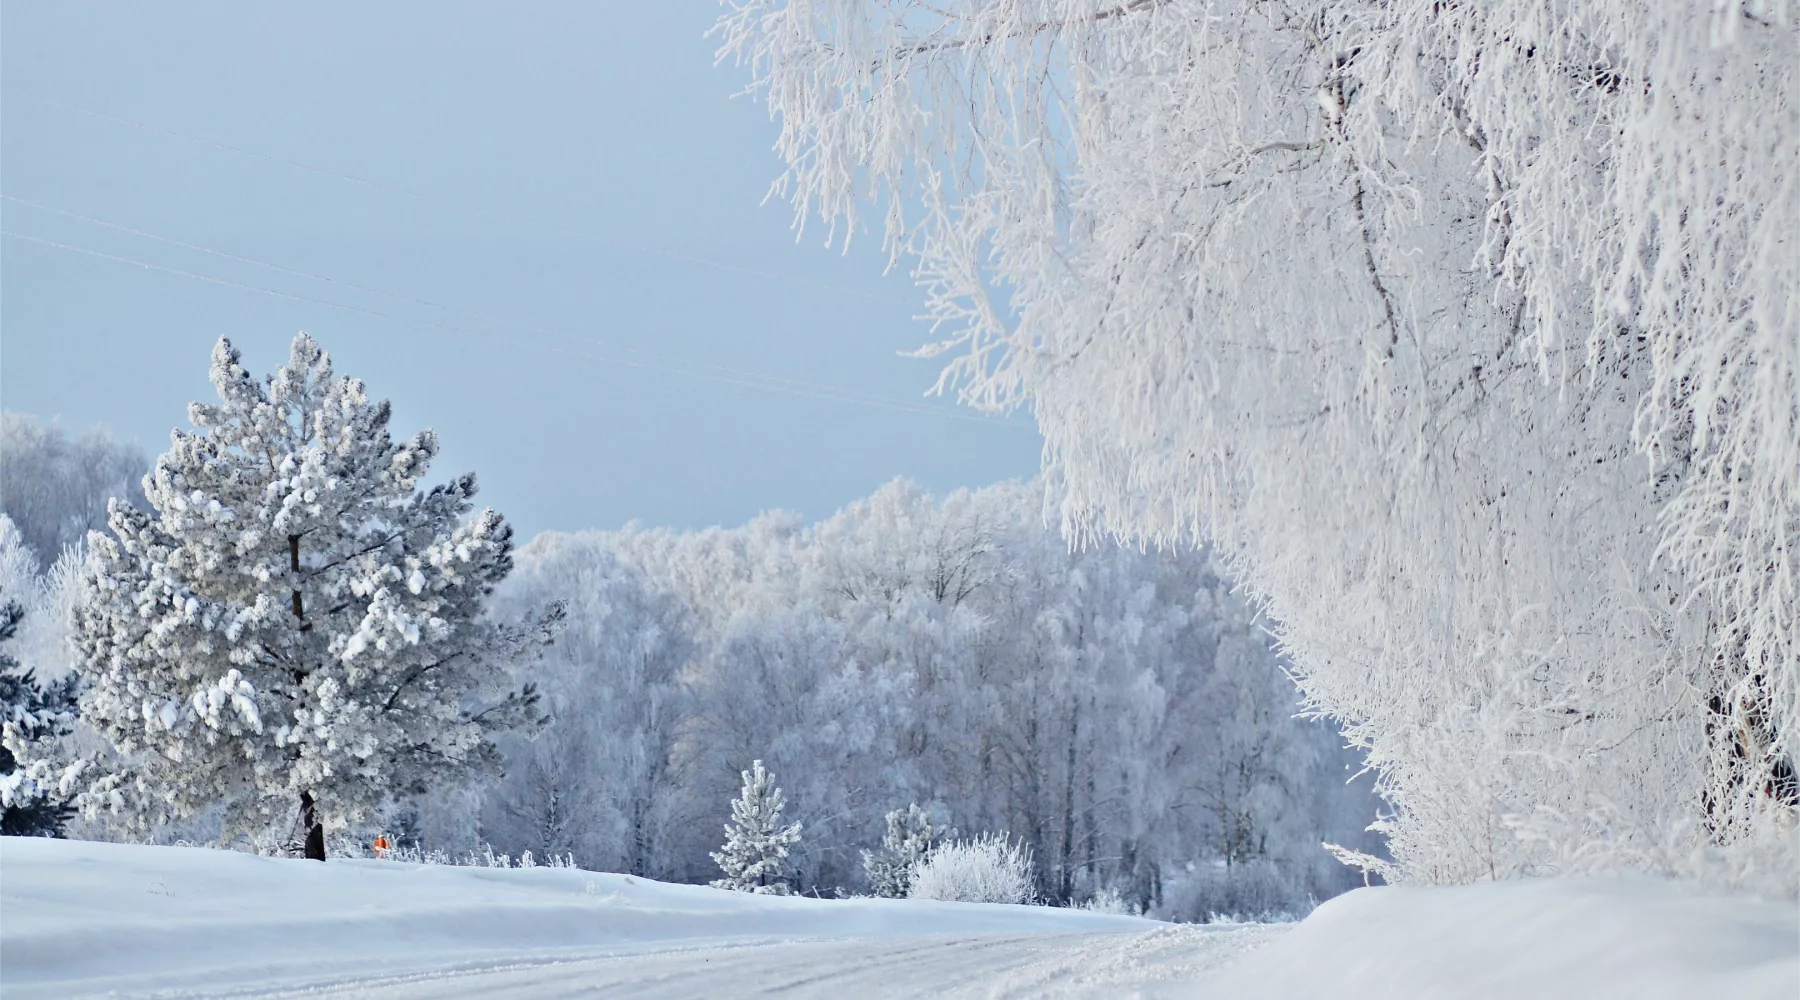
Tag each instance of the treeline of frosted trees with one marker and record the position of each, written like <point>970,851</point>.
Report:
<point>1466,332</point>
<point>54,488</point>
<point>1119,712</point>
<point>56,484</point>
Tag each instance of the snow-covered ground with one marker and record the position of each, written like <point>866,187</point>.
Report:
<point>80,919</point>
<point>1635,937</point>
<point>85,918</point>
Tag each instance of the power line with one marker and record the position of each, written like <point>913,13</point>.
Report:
<point>825,393</point>
<point>390,188</point>
<point>400,297</point>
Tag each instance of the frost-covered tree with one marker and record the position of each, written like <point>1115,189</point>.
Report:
<point>754,856</point>
<point>1120,711</point>
<point>910,837</point>
<point>599,782</point>
<point>293,630</point>
<point>1466,332</point>
<point>55,486</point>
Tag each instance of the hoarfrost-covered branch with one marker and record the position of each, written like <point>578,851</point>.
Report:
<point>1310,351</point>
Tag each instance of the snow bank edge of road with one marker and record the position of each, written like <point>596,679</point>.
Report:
<point>89,917</point>
<point>1574,937</point>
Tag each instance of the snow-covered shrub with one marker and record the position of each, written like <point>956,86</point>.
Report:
<point>485,857</point>
<point>1109,900</point>
<point>754,858</point>
<point>341,846</point>
<point>991,868</point>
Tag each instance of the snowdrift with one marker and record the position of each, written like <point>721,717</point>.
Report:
<point>79,918</point>
<point>1535,939</point>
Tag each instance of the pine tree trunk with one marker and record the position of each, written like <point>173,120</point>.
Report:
<point>315,830</point>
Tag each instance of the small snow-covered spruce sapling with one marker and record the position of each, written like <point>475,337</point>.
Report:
<point>909,840</point>
<point>296,630</point>
<point>754,857</point>
<point>32,712</point>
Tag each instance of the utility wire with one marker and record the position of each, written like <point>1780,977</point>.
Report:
<point>474,209</point>
<point>400,297</point>
<point>839,396</point>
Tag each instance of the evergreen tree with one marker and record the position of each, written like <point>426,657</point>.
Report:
<point>754,858</point>
<point>32,712</point>
<point>909,839</point>
<point>293,626</point>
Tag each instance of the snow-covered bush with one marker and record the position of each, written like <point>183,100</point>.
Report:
<point>483,857</point>
<point>991,868</point>
<point>295,633</point>
<point>754,858</point>
<point>1110,900</point>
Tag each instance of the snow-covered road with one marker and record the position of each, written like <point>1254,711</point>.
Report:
<point>84,920</point>
<point>1155,964</point>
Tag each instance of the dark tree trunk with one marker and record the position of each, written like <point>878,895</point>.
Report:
<point>1065,864</point>
<point>294,565</point>
<point>315,830</point>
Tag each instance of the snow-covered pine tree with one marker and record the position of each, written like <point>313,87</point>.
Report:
<point>295,627</point>
<point>754,858</point>
<point>31,711</point>
<point>909,839</point>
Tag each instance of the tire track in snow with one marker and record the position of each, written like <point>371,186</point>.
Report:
<point>1161,962</point>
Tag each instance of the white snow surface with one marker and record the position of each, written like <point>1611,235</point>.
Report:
<point>1577,938</point>
<point>80,919</point>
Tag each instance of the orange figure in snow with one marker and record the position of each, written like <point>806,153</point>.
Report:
<point>381,845</point>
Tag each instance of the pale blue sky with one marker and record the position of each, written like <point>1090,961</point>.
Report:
<point>554,167</point>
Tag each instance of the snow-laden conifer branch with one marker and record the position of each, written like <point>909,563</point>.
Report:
<point>1119,711</point>
<point>35,711</point>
